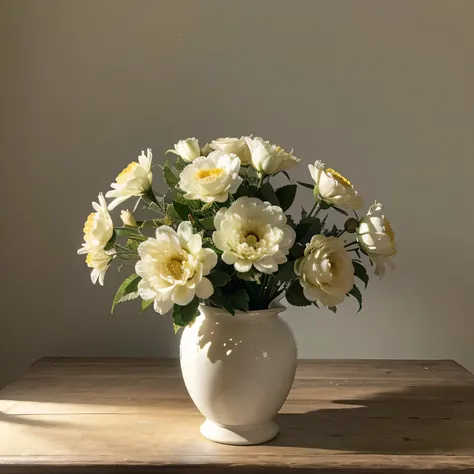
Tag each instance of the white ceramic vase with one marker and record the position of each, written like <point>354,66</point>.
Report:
<point>238,371</point>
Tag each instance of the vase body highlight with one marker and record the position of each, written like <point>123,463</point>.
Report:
<point>238,371</point>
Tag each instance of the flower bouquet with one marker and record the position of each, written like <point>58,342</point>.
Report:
<point>220,242</point>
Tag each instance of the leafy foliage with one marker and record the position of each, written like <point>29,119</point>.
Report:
<point>126,289</point>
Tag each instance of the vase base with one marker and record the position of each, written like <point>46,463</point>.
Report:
<point>239,435</point>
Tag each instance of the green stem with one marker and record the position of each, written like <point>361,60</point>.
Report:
<point>261,177</point>
<point>316,208</point>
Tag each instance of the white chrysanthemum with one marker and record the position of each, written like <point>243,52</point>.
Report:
<point>325,272</point>
<point>269,159</point>
<point>238,146</point>
<point>376,237</point>
<point>211,178</point>
<point>252,232</point>
<point>134,180</point>
<point>333,187</point>
<point>187,149</point>
<point>98,228</point>
<point>173,267</point>
<point>99,261</point>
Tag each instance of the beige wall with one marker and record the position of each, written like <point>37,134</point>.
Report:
<point>382,91</point>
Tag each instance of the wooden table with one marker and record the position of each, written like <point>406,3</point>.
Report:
<point>134,415</point>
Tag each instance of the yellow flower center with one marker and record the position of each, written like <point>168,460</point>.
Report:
<point>339,178</point>
<point>89,224</point>
<point>278,148</point>
<point>129,169</point>
<point>251,240</point>
<point>209,174</point>
<point>175,268</point>
<point>389,231</point>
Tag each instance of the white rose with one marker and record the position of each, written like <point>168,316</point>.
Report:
<point>98,228</point>
<point>325,271</point>
<point>128,219</point>
<point>187,149</point>
<point>376,237</point>
<point>252,232</point>
<point>99,261</point>
<point>134,180</point>
<point>211,178</point>
<point>173,267</point>
<point>238,146</point>
<point>333,187</point>
<point>269,159</point>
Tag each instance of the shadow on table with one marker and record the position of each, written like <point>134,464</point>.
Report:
<point>437,419</point>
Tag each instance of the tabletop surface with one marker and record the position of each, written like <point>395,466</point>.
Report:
<point>134,415</point>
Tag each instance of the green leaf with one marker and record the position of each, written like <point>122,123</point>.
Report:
<point>286,272</point>
<point>355,292</point>
<point>251,275</point>
<point>307,228</point>
<point>146,304</point>
<point>360,272</point>
<point>218,278</point>
<point>338,209</point>
<point>221,301</point>
<point>240,299</point>
<point>267,193</point>
<point>183,315</point>
<point>125,231</point>
<point>295,296</point>
<point>286,195</point>
<point>171,212</point>
<point>332,308</point>
<point>207,223</point>
<point>297,251</point>
<point>170,178</point>
<point>287,175</point>
<point>129,285</point>
<point>110,244</point>
<point>306,185</point>
<point>132,244</point>
<point>182,210</point>
<point>324,205</point>
<point>246,190</point>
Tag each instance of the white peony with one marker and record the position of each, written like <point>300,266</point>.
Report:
<point>269,159</point>
<point>252,232</point>
<point>134,180</point>
<point>98,228</point>
<point>187,149</point>
<point>238,146</point>
<point>325,271</point>
<point>333,187</point>
<point>376,237</point>
<point>99,261</point>
<point>211,178</point>
<point>173,267</point>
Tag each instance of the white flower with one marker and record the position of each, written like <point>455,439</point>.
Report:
<point>128,219</point>
<point>376,237</point>
<point>333,187</point>
<point>173,267</point>
<point>211,178</point>
<point>187,149</point>
<point>252,232</point>
<point>134,180</point>
<point>99,261</point>
<point>325,271</point>
<point>269,159</point>
<point>98,228</point>
<point>238,146</point>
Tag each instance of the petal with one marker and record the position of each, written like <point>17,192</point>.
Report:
<point>242,265</point>
<point>162,307</point>
<point>266,265</point>
<point>117,201</point>
<point>204,289</point>
<point>229,257</point>
<point>208,259</point>
<point>182,295</point>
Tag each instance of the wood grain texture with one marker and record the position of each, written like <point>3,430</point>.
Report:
<point>134,415</point>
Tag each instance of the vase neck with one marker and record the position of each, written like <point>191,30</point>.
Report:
<point>257,315</point>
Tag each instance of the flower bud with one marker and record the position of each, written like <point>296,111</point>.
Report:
<point>128,219</point>
<point>351,225</point>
